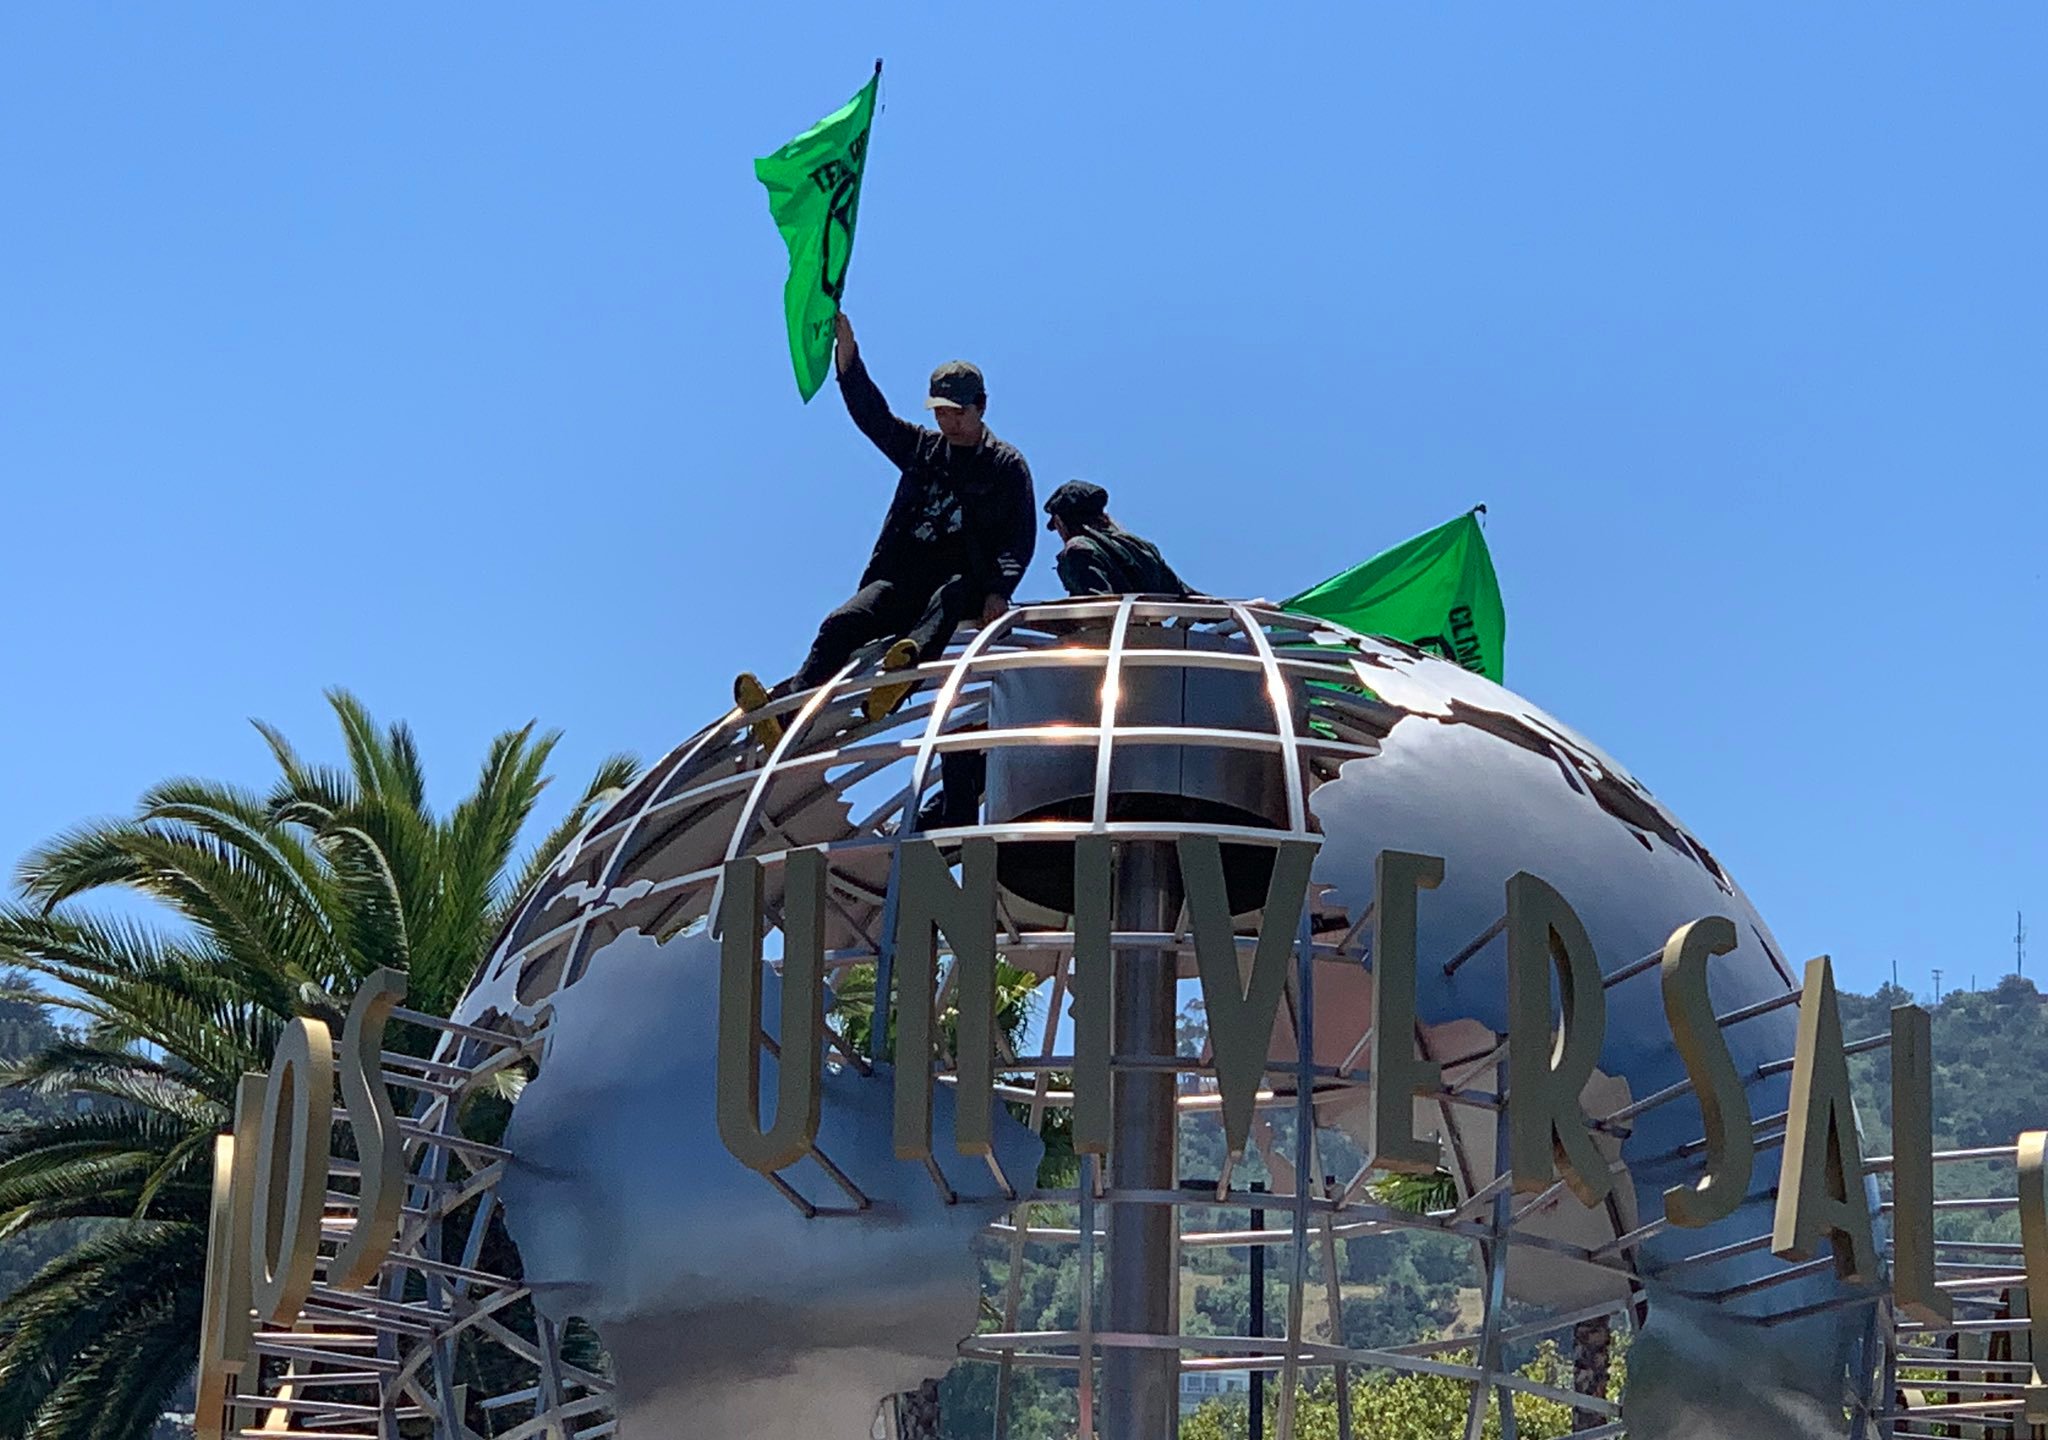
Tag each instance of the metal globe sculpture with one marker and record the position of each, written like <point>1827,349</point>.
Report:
<point>1145,722</point>
<point>768,1230</point>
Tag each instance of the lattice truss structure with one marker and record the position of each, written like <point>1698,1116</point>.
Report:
<point>1968,1376</point>
<point>406,1355</point>
<point>444,1341</point>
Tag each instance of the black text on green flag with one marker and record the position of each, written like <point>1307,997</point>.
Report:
<point>814,194</point>
<point>1437,591</point>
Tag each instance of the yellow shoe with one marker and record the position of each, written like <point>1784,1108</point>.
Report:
<point>750,694</point>
<point>883,699</point>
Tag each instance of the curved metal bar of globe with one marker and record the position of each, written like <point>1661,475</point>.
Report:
<point>743,827</point>
<point>834,762</point>
<point>885,939</point>
<point>698,792</point>
<point>1018,617</point>
<point>1033,830</point>
<point>544,893</point>
<point>942,707</point>
<point>1112,674</point>
<point>1037,654</point>
<point>676,765</point>
<point>1283,715</point>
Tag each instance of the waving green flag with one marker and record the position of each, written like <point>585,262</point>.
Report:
<point>1437,592</point>
<point>814,194</point>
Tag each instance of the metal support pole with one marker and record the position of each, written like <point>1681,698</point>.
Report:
<point>1494,1254</point>
<point>1306,1167</point>
<point>1140,1388</point>
<point>1258,1320</point>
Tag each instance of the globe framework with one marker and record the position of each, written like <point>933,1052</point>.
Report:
<point>740,1304</point>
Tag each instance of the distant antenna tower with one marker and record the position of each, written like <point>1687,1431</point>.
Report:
<point>1937,985</point>
<point>2019,943</point>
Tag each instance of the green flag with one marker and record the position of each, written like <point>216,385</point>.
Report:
<point>1437,592</point>
<point>814,194</point>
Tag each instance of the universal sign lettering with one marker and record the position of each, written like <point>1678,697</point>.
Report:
<point>271,1172</point>
<point>1820,1195</point>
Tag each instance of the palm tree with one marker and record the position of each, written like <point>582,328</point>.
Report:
<point>275,906</point>
<point>1415,1194</point>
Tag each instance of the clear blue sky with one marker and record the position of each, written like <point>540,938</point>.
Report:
<point>436,351</point>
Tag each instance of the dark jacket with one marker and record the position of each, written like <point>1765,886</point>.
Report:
<point>955,512</point>
<point>1106,559</point>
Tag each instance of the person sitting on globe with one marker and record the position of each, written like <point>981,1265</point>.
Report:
<point>1100,557</point>
<point>956,542</point>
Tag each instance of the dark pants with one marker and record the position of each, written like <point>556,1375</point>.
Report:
<point>925,611</point>
<point>963,775</point>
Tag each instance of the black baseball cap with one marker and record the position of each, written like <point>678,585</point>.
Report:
<point>956,385</point>
<point>1075,502</point>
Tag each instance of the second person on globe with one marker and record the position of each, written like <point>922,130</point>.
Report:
<point>957,539</point>
<point>1097,555</point>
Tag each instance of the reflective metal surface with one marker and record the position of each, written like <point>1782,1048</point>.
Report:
<point>1058,781</point>
<point>724,1316</point>
<point>759,1308</point>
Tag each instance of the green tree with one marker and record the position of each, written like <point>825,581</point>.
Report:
<point>1397,1407</point>
<point>267,907</point>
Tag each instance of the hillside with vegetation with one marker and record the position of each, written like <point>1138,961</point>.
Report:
<point>25,1030</point>
<point>1990,1053</point>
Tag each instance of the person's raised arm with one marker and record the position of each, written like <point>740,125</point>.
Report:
<point>895,438</point>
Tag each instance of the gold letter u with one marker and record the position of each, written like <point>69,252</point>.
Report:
<point>739,1013</point>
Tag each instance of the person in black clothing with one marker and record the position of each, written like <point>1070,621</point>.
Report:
<point>1100,557</point>
<point>956,542</point>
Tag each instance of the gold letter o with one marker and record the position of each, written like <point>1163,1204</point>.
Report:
<point>291,1171</point>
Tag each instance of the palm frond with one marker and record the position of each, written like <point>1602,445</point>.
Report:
<point>274,903</point>
<point>90,1154</point>
<point>127,1376</point>
<point>87,1067</point>
<point>1416,1194</point>
<point>72,1307</point>
<point>372,896</point>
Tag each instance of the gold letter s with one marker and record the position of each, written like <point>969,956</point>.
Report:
<point>378,1143</point>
